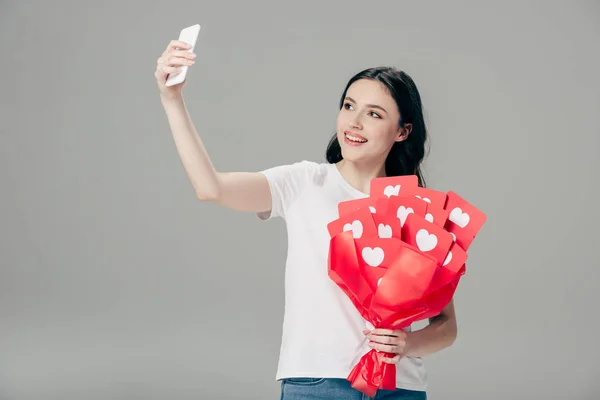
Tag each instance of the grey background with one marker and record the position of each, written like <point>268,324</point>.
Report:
<point>116,283</point>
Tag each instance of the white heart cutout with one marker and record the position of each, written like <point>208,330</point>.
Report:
<point>448,259</point>
<point>372,209</point>
<point>425,199</point>
<point>429,217</point>
<point>384,231</point>
<point>459,217</point>
<point>426,241</point>
<point>373,256</point>
<point>356,227</point>
<point>402,213</point>
<point>379,282</point>
<point>391,190</point>
<point>453,236</point>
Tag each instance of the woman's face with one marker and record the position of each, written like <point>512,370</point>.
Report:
<point>368,122</point>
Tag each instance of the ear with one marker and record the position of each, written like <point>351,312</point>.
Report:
<point>403,132</point>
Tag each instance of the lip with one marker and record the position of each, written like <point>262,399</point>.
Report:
<point>355,135</point>
<point>352,143</point>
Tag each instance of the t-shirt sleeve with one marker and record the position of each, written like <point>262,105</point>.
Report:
<point>286,182</point>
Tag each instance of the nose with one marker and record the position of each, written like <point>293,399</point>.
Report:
<point>354,122</point>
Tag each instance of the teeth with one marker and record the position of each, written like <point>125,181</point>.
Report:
<point>355,139</point>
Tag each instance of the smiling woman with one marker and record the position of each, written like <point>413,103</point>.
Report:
<point>379,132</point>
<point>381,106</point>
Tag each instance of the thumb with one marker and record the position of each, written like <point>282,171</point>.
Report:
<point>365,331</point>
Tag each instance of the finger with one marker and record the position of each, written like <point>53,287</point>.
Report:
<point>170,70</point>
<point>386,338</point>
<point>178,44</point>
<point>183,53</point>
<point>383,347</point>
<point>365,332</point>
<point>383,339</point>
<point>381,331</point>
<point>175,61</point>
<point>392,360</point>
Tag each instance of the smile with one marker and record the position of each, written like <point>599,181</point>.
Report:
<point>354,138</point>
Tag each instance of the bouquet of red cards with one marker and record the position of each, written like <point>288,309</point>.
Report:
<point>399,255</point>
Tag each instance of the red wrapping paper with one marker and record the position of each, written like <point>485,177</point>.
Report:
<point>399,256</point>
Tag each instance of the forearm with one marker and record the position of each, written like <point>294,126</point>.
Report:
<point>439,334</point>
<point>193,154</point>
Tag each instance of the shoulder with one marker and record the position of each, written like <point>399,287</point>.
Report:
<point>303,171</point>
<point>290,181</point>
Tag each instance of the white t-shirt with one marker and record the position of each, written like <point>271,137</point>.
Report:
<point>322,329</point>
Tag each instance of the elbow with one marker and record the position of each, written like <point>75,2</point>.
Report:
<point>449,331</point>
<point>208,192</point>
<point>206,196</point>
<point>452,334</point>
<point>452,338</point>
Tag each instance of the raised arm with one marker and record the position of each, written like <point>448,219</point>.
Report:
<point>242,191</point>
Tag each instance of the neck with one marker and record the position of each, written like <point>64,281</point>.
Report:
<point>360,174</point>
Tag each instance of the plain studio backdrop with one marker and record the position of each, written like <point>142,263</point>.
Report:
<point>117,283</point>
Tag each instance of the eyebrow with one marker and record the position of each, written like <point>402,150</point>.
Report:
<point>368,105</point>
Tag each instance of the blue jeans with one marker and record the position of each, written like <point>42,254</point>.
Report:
<point>338,389</point>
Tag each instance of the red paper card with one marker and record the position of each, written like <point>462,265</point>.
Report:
<point>427,237</point>
<point>388,226</point>
<point>400,207</point>
<point>381,205</point>
<point>374,257</point>
<point>455,259</point>
<point>436,215</point>
<point>348,206</point>
<point>392,212</point>
<point>464,220</point>
<point>389,186</point>
<point>430,196</point>
<point>360,222</point>
<point>452,268</point>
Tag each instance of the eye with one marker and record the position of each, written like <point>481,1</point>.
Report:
<point>347,106</point>
<point>375,114</point>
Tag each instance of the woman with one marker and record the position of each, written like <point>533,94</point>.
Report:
<point>380,131</point>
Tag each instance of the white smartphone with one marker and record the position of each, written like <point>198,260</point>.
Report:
<point>188,35</point>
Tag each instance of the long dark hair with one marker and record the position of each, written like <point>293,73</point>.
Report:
<point>405,157</point>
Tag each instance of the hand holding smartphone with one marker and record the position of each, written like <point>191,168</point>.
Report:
<point>172,66</point>
<point>187,35</point>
